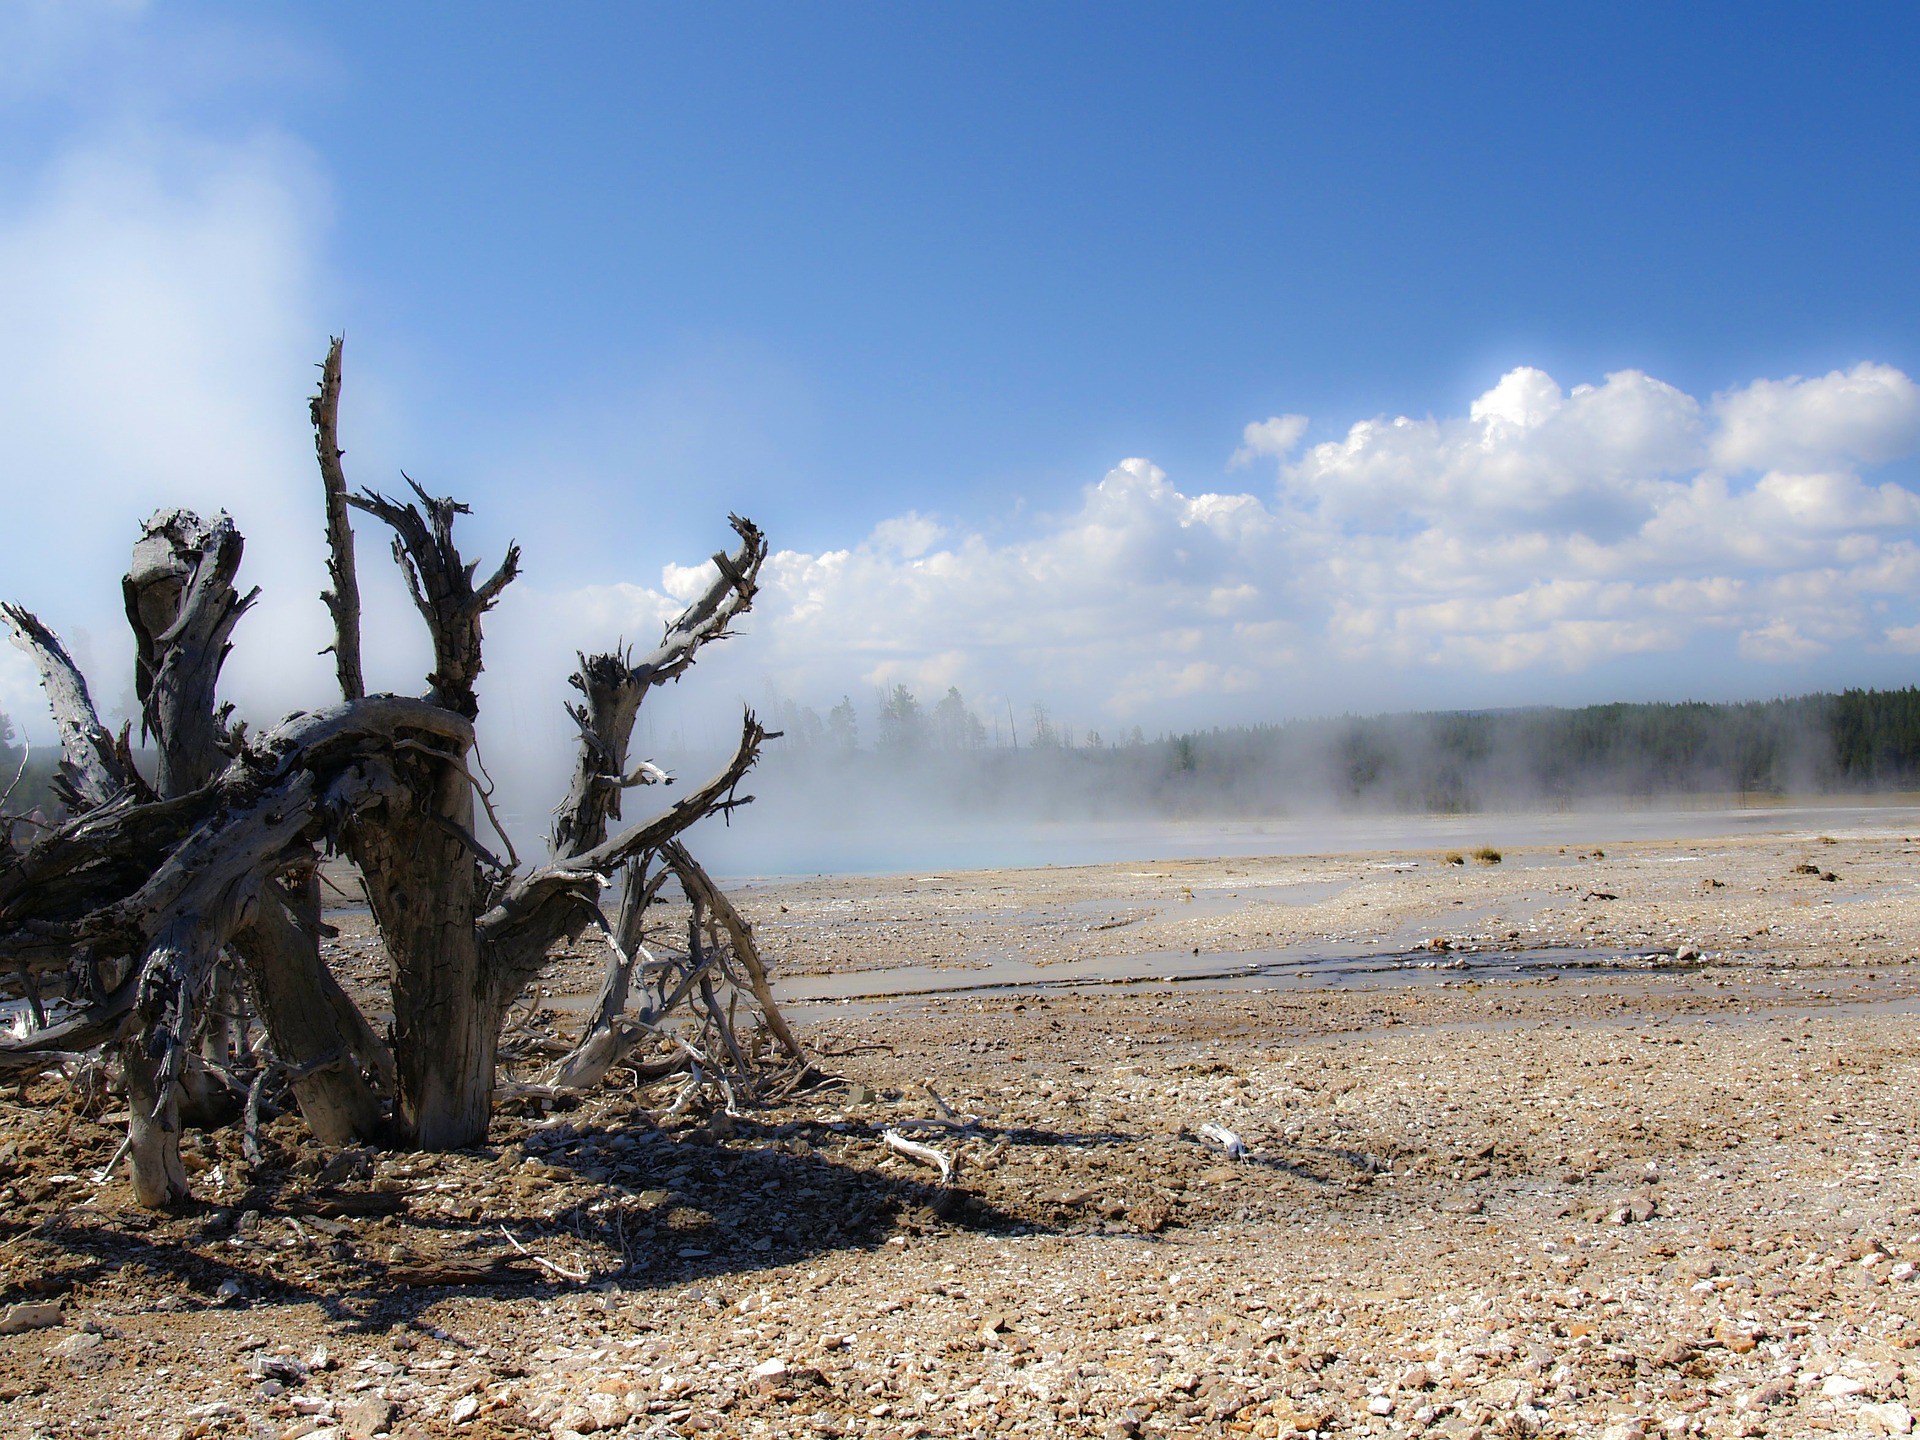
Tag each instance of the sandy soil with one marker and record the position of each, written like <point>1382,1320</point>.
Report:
<point>1675,1191</point>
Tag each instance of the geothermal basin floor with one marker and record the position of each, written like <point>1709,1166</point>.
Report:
<point>1676,1193</point>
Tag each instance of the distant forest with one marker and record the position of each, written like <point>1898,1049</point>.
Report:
<point>26,777</point>
<point>1456,761</point>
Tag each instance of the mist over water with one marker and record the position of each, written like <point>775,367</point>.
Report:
<point>919,802</point>
<point>774,841</point>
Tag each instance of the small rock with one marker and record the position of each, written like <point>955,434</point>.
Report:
<point>1300,1416</point>
<point>1890,1419</point>
<point>1771,1393</point>
<point>609,1411</point>
<point>1842,1387</point>
<point>29,1315</point>
<point>769,1369</point>
<point>1674,1354</point>
<point>1380,1405</point>
<point>464,1409</point>
<point>83,1350</point>
<point>229,1293</point>
<point>347,1165</point>
<point>364,1415</point>
<point>1636,1211</point>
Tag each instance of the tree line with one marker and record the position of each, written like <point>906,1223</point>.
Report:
<point>1852,741</point>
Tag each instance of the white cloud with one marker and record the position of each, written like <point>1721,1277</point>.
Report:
<point>1780,643</point>
<point>1273,438</point>
<point>1869,414</point>
<point>1526,453</point>
<point>1547,531</point>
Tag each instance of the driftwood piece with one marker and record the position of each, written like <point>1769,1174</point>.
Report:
<point>1232,1144</point>
<point>914,1150</point>
<point>609,1037</point>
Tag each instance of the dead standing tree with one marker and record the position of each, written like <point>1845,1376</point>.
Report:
<point>132,907</point>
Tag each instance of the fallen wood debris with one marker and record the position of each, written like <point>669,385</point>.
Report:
<point>914,1150</point>
<point>579,1277</point>
<point>1235,1147</point>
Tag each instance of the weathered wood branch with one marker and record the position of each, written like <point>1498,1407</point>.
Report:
<point>309,1018</point>
<point>697,883</point>
<point>343,599</point>
<point>93,1026</point>
<point>204,893</point>
<point>92,768</point>
<point>615,685</point>
<point>552,902</point>
<point>443,590</point>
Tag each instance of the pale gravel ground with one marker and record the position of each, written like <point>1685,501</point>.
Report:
<point>1424,1228</point>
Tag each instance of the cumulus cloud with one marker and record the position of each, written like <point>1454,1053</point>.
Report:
<point>1273,437</point>
<point>1548,531</point>
<point>1869,414</point>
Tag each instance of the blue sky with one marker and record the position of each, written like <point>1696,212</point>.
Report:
<point>971,308</point>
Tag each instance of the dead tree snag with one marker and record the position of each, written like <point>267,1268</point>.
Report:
<point>151,896</point>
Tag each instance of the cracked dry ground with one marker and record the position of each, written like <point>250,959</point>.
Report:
<point>1680,1201</point>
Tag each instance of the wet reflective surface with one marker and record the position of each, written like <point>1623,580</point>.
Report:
<point>1317,967</point>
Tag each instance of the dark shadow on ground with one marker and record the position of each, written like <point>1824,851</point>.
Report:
<point>662,1209</point>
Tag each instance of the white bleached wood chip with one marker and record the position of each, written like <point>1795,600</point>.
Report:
<point>914,1150</point>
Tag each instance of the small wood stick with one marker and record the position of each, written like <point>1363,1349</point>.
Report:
<point>914,1150</point>
<point>579,1277</point>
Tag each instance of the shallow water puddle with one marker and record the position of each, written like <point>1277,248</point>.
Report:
<point>1281,968</point>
